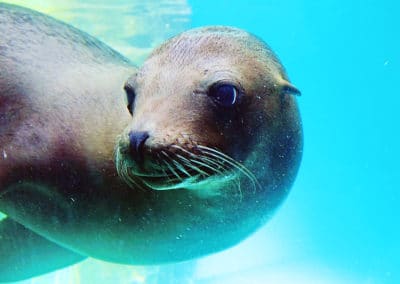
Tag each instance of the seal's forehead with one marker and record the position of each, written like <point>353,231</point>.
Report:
<point>213,43</point>
<point>201,57</point>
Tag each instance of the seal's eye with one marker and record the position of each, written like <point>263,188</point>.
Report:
<point>130,97</point>
<point>225,95</point>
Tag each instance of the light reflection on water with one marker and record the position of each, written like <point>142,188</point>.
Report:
<point>133,28</point>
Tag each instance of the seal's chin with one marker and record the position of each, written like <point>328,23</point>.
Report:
<point>201,169</point>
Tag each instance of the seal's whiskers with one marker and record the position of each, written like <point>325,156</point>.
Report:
<point>182,165</point>
<point>197,169</point>
<point>194,159</point>
<point>158,161</point>
<point>170,168</point>
<point>206,165</point>
<point>217,163</point>
<point>226,159</point>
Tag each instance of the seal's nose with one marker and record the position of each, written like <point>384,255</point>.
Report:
<point>136,143</point>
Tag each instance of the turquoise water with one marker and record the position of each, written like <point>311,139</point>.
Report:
<point>340,222</point>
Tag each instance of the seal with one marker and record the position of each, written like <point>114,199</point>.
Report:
<point>194,156</point>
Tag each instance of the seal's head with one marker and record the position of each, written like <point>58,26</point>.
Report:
<point>213,113</point>
<point>211,116</point>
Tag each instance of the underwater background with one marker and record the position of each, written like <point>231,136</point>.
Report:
<point>341,221</point>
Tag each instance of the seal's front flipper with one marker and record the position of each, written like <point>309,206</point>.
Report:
<point>25,254</point>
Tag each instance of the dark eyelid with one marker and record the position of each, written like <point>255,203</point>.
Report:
<point>234,84</point>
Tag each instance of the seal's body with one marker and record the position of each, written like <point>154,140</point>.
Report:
<point>207,149</point>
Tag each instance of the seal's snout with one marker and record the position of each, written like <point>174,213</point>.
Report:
<point>136,144</point>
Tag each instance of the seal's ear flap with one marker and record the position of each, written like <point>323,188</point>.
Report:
<point>287,88</point>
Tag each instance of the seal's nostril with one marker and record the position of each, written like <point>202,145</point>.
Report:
<point>136,143</point>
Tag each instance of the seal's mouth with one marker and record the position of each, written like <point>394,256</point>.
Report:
<point>175,167</point>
